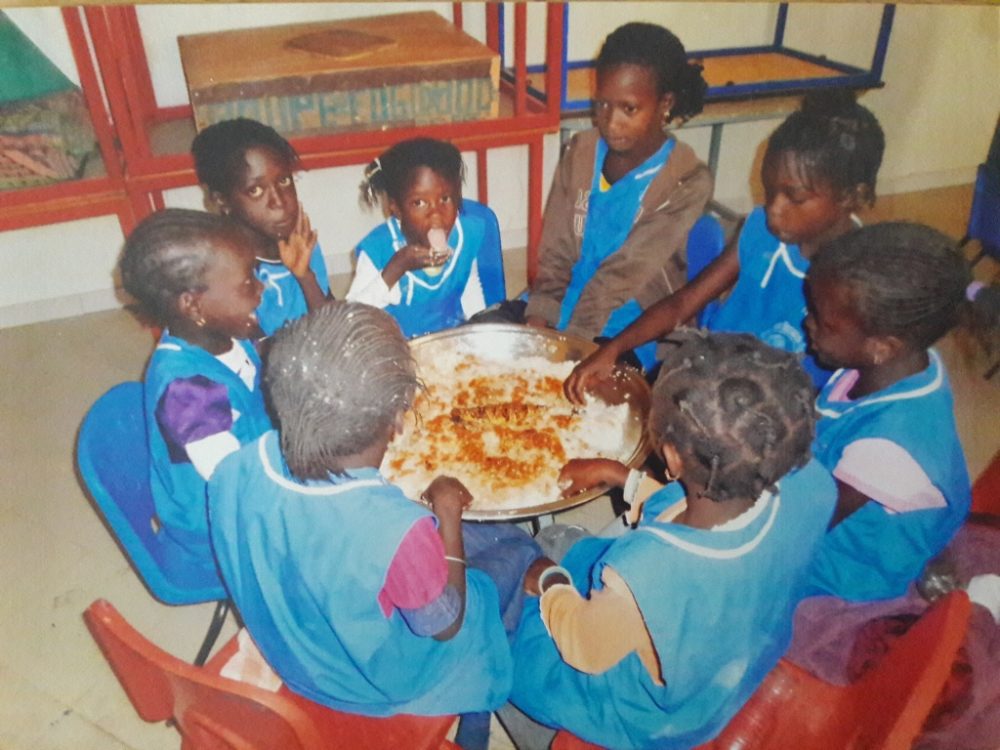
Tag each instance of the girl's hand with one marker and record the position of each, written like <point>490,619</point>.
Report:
<point>415,257</point>
<point>597,366</point>
<point>296,251</point>
<point>581,474</point>
<point>447,497</point>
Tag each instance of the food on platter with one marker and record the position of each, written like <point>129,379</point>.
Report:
<point>502,427</point>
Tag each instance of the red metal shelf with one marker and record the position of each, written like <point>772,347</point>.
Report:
<point>145,147</point>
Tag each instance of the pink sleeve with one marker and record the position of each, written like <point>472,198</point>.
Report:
<point>889,475</point>
<point>418,572</point>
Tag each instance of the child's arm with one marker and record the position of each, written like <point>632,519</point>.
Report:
<point>879,470</point>
<point>448,498</point>
<point>195,419</point>
<point>849,500</point>
<point>416,584</point>
<point>296,252</point>
<point>410,258</point>
<point>593,634</point>
<point>581,474</point>
<point>658,320</point>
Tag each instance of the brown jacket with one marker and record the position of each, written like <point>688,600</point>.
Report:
<point>650,265</point>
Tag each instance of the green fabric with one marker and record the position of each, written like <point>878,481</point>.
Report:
<point>25,72</point>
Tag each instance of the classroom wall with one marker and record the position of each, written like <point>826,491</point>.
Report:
<point>938,108</point>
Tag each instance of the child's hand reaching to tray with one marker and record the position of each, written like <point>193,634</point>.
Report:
<point>581,474</point>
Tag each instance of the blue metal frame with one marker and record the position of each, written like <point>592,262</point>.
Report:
<point>853,77</point>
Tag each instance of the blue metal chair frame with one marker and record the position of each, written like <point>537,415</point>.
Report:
<point>113,460</point>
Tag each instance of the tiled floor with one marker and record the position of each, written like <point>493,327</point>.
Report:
<point>56,557</point>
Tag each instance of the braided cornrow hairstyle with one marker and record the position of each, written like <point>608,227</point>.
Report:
<point>168,253</point>
<point>219,151</point>
<point>907,280</point>
<point>392,172</point>
<point>337,378</point>
<point>833,140</point>
<point>654,47</point>
<point>740,409</point>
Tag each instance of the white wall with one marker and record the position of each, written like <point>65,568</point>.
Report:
<point>938,108</point>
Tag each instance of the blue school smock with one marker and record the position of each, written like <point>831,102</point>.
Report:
<point>610,216</point>
<point>431,303</point>
<point>282,300</point>
<point>873,553</point>
<point>304,563</point>
<point>178,489</point>
<point>768,299</point>
<point>718,606</point>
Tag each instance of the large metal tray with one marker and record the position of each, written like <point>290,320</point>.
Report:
<point>508,343</point>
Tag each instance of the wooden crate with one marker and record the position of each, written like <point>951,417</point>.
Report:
<point>357,74</point>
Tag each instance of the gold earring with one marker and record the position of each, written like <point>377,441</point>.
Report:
<point>670,477</point>
<point>200,322</point>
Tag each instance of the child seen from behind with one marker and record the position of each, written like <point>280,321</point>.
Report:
<point>359,598</point>
<point>656,638</point>
<point>820,166</point>
<point>248,172</point>
<point>436,260</point>
<point>192,273</point>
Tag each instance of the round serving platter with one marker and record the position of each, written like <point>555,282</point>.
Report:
<point>500,342</point>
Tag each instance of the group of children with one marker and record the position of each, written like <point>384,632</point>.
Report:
<point>367,602</point>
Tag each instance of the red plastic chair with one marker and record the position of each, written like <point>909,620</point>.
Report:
<point>884,710</point>
<point>986,489</point>
<point>213,712</point>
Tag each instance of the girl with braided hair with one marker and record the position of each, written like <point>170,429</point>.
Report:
<point>878,298</point>
<point>657,637</point>
<point>247,170</point>
<point>359,598</point>
<point>429,264</point>
<point>819,168</point>
<point>192,274</point>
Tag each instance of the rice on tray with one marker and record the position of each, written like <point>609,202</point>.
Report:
<point>504,429</point>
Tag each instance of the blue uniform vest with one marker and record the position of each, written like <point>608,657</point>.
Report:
<point>874,554</point>
<point>717,604</point>
<point>768,299</point>
<point>178,489</point>
<point>282,299</point>
<point>304,563</point>
<point>433,303</point>
<point>610,216</point>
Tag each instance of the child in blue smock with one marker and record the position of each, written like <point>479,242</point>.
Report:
<point>820,166</point>
<point>436,261</point>
<point>625,194</point>
<point>358,597</point>
<point>656,638</point>
<point>192,273</point>
<point>248,172</point>
<point>878,298</point>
